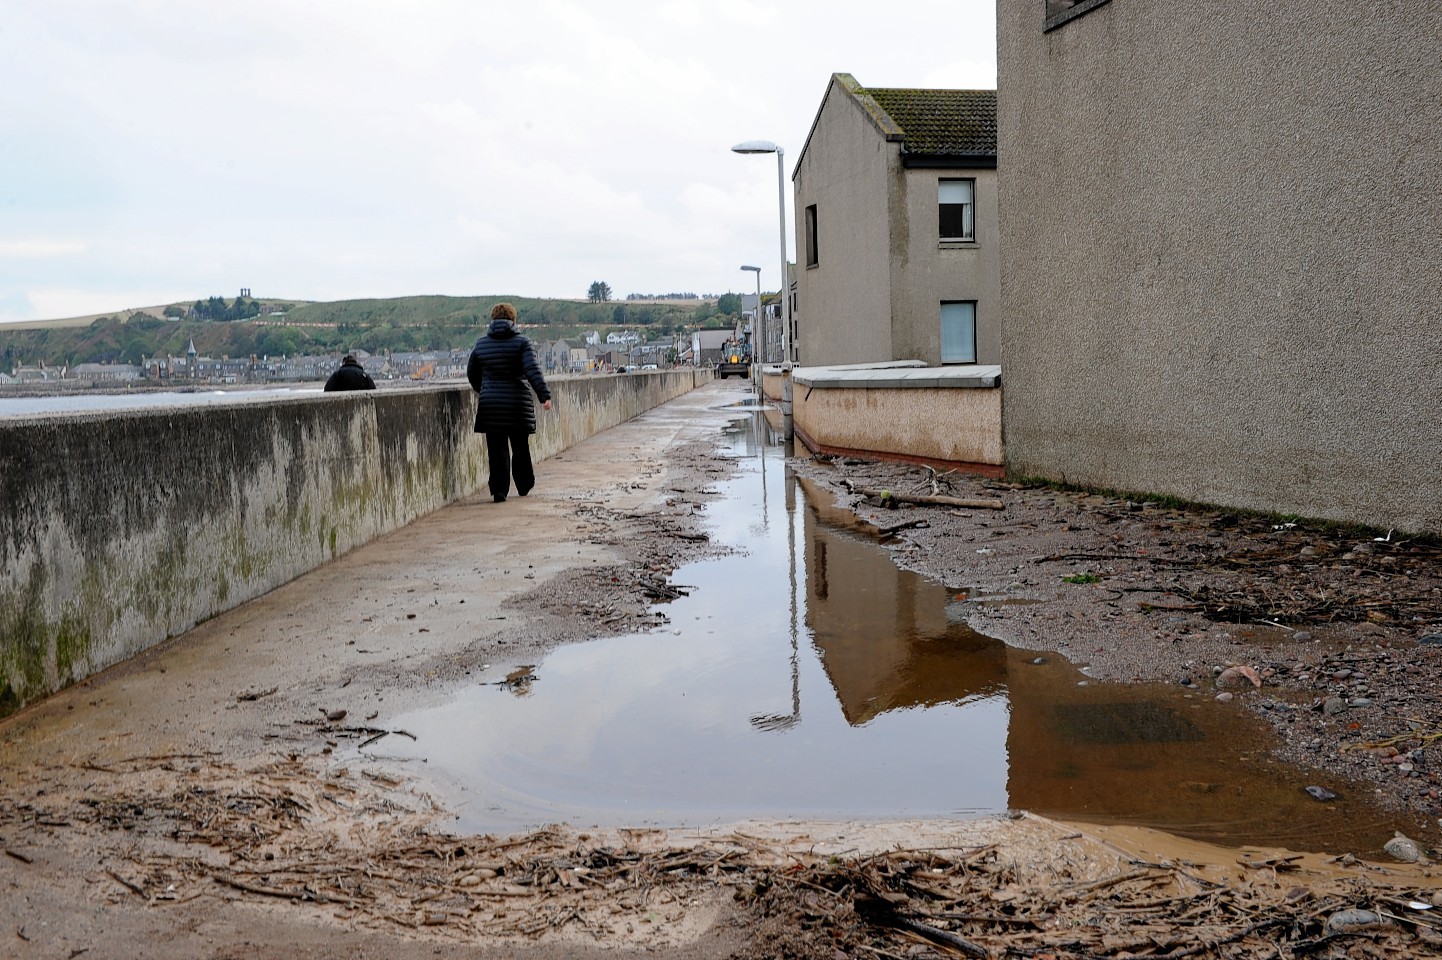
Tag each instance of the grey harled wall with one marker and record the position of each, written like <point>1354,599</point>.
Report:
<point>120,530</point>
<point>845,300</point>
<point>1220,229</point>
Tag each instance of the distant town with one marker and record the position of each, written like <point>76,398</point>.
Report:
<point>134,351</point>
<point>615,352</point>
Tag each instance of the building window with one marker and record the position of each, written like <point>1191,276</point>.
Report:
<point>1059,12</point>
<point>812,255</point>
<point>958,332</point>
<point>956,209</point>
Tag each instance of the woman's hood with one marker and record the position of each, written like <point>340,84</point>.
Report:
<point>501,327</point>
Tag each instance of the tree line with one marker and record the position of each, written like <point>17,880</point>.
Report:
<point>402,324</point>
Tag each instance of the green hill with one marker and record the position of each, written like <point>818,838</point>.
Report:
<point>291,327</point>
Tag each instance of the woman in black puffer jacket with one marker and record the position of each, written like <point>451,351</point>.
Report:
<point>501,365</point>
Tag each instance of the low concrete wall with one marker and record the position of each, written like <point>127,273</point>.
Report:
<point>920,414</point>
<point>118,530</point>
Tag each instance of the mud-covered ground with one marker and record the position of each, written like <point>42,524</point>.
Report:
<point>1334,635</point>
<point>223,796</point>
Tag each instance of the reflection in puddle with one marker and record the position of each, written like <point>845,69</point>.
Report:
<point>811,677</point>
<point>1122,722</point>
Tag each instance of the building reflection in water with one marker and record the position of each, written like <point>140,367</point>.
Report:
<point>886,637</point>
<point>1151,754</point>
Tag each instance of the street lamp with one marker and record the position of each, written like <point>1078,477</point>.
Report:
<point>766,146</point>
<point>757,326</point>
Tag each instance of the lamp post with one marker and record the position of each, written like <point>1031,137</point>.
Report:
<point>766,146</point>
<point>757,326</point>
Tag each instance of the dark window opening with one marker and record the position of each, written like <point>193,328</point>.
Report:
<point>1059,12</point>
<point>812,255</point>
<point>956,209</point>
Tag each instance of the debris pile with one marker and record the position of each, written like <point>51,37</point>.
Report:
<point>354,849</point>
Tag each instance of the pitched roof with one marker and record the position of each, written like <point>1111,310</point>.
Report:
<point>937,128</point>
<point>940,122</point>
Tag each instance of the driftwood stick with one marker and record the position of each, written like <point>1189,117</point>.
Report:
<point>132,887</point>
<point>269,891</point>
<point>896,527</point>
<point>935,501</point>
<point>946,937</point>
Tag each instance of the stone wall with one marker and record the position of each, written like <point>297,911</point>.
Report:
<point>118,530</point>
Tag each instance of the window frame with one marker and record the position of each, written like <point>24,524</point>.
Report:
<point>941,330</point>
<point>1051,22</point>
<point>968,214</point>
<point>813,248</point>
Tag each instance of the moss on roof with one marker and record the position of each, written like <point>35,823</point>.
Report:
<point>940,122</point>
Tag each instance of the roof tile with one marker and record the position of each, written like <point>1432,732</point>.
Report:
<point>941,122</point>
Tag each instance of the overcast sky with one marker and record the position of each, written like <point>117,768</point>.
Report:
<point>162,150</point>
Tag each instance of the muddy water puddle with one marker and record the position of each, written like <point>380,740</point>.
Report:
<point>809,677</point>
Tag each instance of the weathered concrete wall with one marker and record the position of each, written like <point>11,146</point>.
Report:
<point>1220,265</point>
<point>845,299</point>
<point>119,530</point>
<point>937,424</point>
<point>925,271</point>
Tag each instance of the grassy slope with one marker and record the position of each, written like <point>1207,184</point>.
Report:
<point>432,322</point>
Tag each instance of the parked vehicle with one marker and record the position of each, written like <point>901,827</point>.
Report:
<point>736,359</point>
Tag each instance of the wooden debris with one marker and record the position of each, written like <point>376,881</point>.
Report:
<point>255,695</point>
<point>925,499</point>
<point>133,888</point>
<point>274,830</point>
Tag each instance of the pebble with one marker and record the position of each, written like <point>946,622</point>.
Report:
<point>1354,921</point>
<point>1239,676</point>
<point>1333,706</point>
<point>1361,702</point>
<point>1301,636</point>
<point>1431,640</point>
<point>1224,697</point>
<point>1403,848</point>
<point>1321,793</point>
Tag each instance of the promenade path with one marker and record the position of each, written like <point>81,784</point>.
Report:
<point>387,628</point>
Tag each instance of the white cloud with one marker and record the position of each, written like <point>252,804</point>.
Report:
<point>39,249</point>
<point>60,303</point>
<point>375,148</point>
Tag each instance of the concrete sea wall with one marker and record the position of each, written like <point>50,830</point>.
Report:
<point>119,530</point>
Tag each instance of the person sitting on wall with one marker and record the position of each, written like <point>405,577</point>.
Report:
<point>350,375</point>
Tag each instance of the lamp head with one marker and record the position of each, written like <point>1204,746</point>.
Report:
<point>744,267</point>
<point>757,146</point>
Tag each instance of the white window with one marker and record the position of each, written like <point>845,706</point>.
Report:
<point>956,209</point>
<point>958,332</point>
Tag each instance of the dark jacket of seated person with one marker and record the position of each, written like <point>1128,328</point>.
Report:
<point>350,375</point>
